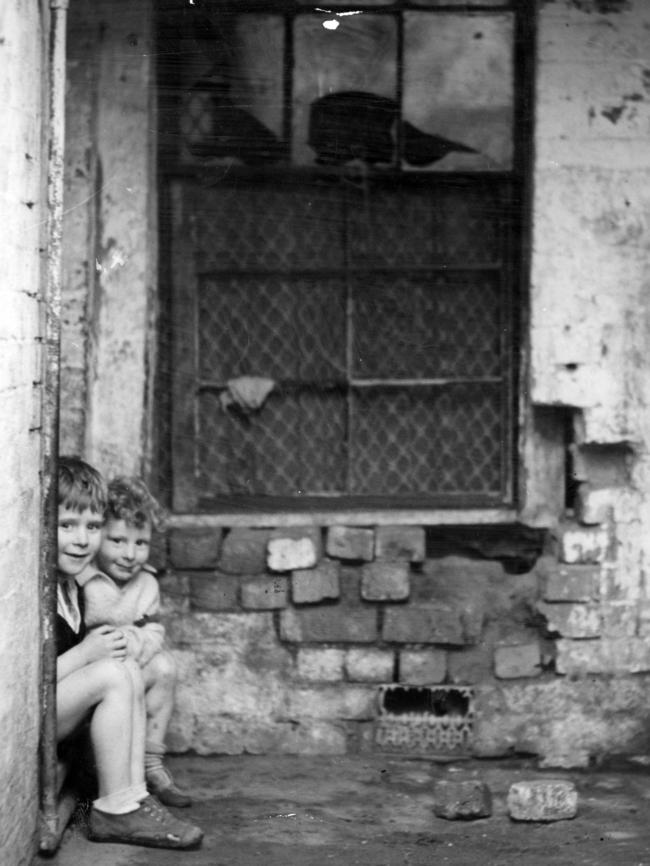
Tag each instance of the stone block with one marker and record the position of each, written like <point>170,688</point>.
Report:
<point>470,665</point>
<point>195,548</point>
<point>385,581</point>
<point>215,591</point>
<point>339,702</point>
<point>584,545</point>
<point>158,554</point>
<point>593,507</point>
<point>320,665</point>
<point>522,660</point>
<point>572,583</point>
<point>311,585</point>
<point>399,543</point>
<point>369,665</point>
<point>422,667</point>
<point>620,619</point>
<point>571,620</point>
<point>330,624</point>
<point>350,542</point>
<point>433,623</point>
<point>243,551</point>
<point>294,548</point>
<point>265,592</point>
<point>174,593</point>
<point>629,655</point>
<point>463,800</point>
<point>543,800</point>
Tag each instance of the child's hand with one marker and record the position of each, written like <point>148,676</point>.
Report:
<point>105,642</point>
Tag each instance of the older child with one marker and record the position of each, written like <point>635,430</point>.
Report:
<point>123,592</point>
<point>96,682</point>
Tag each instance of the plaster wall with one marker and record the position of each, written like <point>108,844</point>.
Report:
<point>22,49</point>
<point>109,234</point>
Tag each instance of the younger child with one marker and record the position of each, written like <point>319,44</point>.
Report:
<point>122,592</point>
<point>96,683</point>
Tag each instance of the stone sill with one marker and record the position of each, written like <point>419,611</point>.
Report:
<point>384,517</point>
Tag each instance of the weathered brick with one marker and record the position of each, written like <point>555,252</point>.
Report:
<point>620,619</point>
<point>433,623</point>
<point>244,551</point>
<point>174,592</point>
<point>422,667</point>
<point>405,543</point>
<point>385,581</point>
<point>320,665</point>
<point>572,583</point>
<point>543,800</point>
<point>194,548</point>
<point>369,665</point>
<point>214,591</point>
<point>593,507</point>
<point>463,800</point>
<point>350,542</point>
<point>265,592</point>
<point>584,544</point>
<point>472,664</point>
<point>522,660</point>
<point>329,624</point>
<point>571,620</point>
<point>605,656</point>
<point>331,702</point>
<point>312,585</point>
<point>293,548</point>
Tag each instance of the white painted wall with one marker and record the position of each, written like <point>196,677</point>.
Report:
<point>22,205</point>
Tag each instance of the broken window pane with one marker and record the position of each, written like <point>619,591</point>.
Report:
<point>458,92</point>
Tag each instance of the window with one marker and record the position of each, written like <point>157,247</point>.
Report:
<point>343,201</point>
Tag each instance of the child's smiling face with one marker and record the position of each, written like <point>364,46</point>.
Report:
<point>124,549</point>
<point>79,534</point>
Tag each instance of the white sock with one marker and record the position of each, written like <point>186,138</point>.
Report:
<point>117,803</point>
<point>139,792</point>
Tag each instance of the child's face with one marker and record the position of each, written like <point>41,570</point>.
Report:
<point>124,549</point>
<point>79,534</point>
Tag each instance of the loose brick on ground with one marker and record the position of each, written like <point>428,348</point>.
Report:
<point>543,800</point>
<point>462,800</point>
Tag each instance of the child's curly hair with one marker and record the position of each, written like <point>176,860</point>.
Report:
<point>80,486</point>
<point>129,499</point>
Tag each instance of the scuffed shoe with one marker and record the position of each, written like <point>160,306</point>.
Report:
<point>151,826</point>
<point>161,784</point>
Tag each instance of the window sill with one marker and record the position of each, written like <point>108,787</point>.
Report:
<point>348,517</point>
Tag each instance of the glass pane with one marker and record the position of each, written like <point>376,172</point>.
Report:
<point>444,441</point>
<point>272,327</point>
<point>427,327</point>
<point>358,56</point>
<point>233,111</point>
<point>458,91</point>
<point>293,445</point>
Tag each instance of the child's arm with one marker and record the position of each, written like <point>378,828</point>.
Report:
<point>100,643</point>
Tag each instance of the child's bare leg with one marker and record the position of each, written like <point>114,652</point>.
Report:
<point>160,686</point>
<point>138,727</point>
<point>106,686</point>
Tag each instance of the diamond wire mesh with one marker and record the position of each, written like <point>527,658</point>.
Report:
<point>318,433</point>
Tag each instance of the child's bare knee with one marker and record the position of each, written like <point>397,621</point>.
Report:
<point>162,667</point>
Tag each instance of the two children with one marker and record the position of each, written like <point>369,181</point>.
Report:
<point>99,683</point>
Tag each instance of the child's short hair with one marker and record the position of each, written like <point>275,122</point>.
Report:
<point>80,486</point>
<point>129,500</point>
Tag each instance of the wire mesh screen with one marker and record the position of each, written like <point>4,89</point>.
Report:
<point>382,317</point>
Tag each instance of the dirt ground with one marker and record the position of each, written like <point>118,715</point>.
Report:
<point>378,811</point>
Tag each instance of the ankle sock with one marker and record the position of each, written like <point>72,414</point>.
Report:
<point>117,803</point>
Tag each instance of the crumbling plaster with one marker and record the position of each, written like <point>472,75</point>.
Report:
<point>23,49</point>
